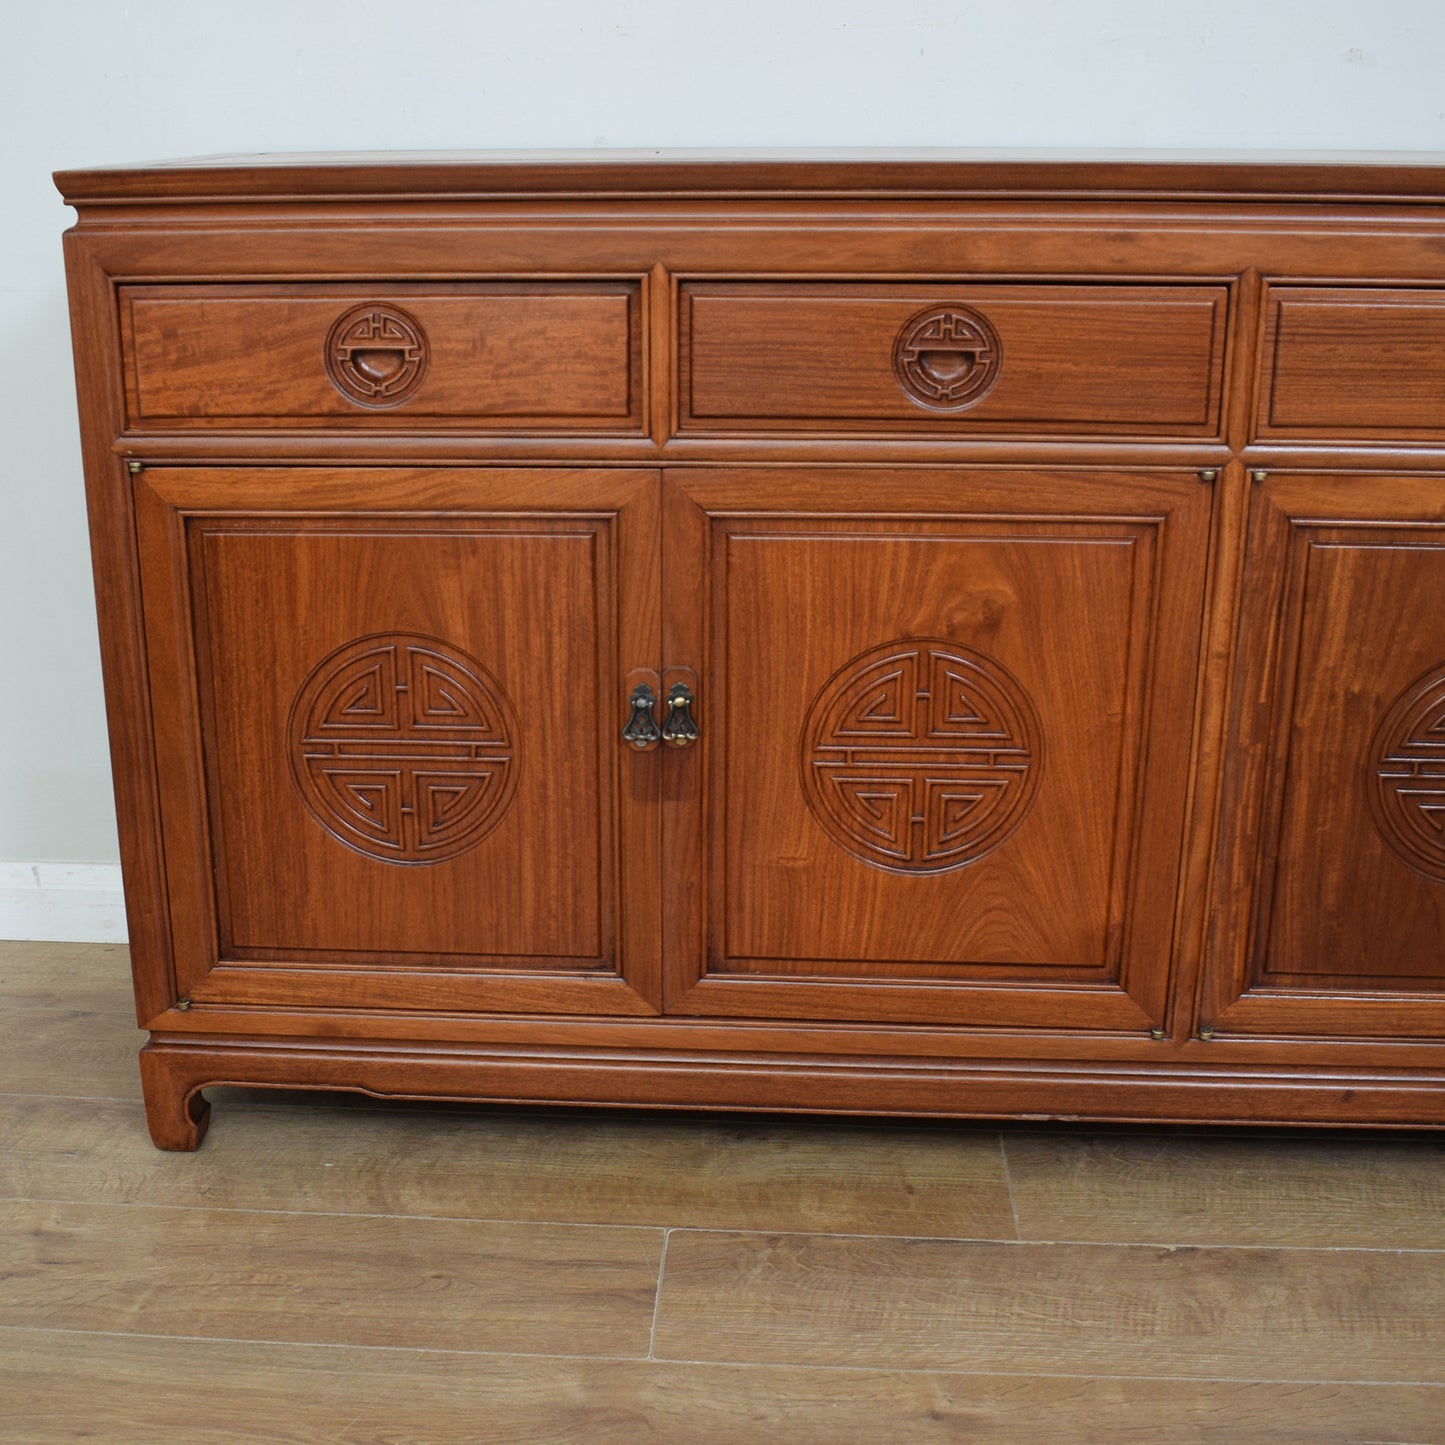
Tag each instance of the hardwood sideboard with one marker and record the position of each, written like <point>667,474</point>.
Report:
<point>929,633</point>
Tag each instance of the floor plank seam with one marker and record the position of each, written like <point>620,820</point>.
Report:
<point>292,1344</point>
<point>657,1298</point>
<point>81,1010</point>
<point>76,1098</point>
<point>355,1214</point>
<point>1182,1246</point>
<point>1004,1373</point>
<point>775,1365</point>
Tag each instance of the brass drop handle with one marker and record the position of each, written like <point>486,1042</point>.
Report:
<point>641,731</point>
<point>680,728</point>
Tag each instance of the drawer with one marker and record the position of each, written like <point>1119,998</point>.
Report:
<point>974,359</point>
<point>1354,362</point>
<point>511,355</point>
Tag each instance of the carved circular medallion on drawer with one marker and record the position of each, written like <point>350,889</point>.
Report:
<point>921,756</point>
<point>376,355</point>
<point>947,358</point>
<point>403,748</point>
<point>1406,776</point>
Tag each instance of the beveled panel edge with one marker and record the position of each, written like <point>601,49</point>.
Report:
<point>1283,511</point>
<point>956,428</point>
<point>1385,291</point>
<point>394,419</point>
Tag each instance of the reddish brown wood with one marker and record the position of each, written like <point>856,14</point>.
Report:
<point>1362,363</point>
<point>679,1080</point>
<point>516,355</point>
<point>1065,607</point>
<point>177,1113</point>
<point>436,459</point>
<point>1373,176</point>
<point>1080,360</point>
<point>1334,839</point>
<point>274,803</point>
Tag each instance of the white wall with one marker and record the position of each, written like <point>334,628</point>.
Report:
<point>91,81</point>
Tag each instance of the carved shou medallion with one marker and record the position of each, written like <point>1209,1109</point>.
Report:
<point>1406,775</point>
<point>947,358</point>
<point>921,755</point>
<point>376,355</point>
<point>403,748</point>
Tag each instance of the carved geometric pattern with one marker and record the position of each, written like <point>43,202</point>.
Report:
<point>1405,775</point>
<point>376,355</point>
<point>402,748</point>
<point>921,756</point>
<point>947,358</point>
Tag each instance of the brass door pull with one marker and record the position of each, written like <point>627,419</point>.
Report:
<point>680,728</point>
<point>641,731</point>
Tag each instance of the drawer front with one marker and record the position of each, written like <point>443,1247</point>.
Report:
<point>970,359</point>
<point>509,355</point>
<point>1356,362</point>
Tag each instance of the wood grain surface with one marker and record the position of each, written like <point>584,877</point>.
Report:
<point>244,1274</point>
<point>1145,446</point>
<point>1335,927</point>
<point>1362,1193</point>
<point>95,977</point>
<point>479,1164</point>
<point>1274,1314</point>
<point>141,1391</point>
<point>1076,360</point>
<point>72,1052</point>
<point>1314,384</point>
<point>980,171</point>
<point>498,355</point>
<point>363,1272</point>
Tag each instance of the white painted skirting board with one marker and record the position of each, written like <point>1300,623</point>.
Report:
<point>68,902</point>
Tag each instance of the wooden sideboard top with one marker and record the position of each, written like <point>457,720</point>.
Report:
<point>1389,176</point>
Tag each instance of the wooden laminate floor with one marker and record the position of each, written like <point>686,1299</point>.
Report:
<point>331,1269</point>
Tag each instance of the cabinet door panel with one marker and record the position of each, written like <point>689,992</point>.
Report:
<point>391,735</point>
<point>928,700</point>
<point>1334,849</point>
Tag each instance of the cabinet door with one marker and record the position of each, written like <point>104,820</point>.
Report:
<point>1331,900</point>
<point>946,722</point>
<point>387,707</point>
